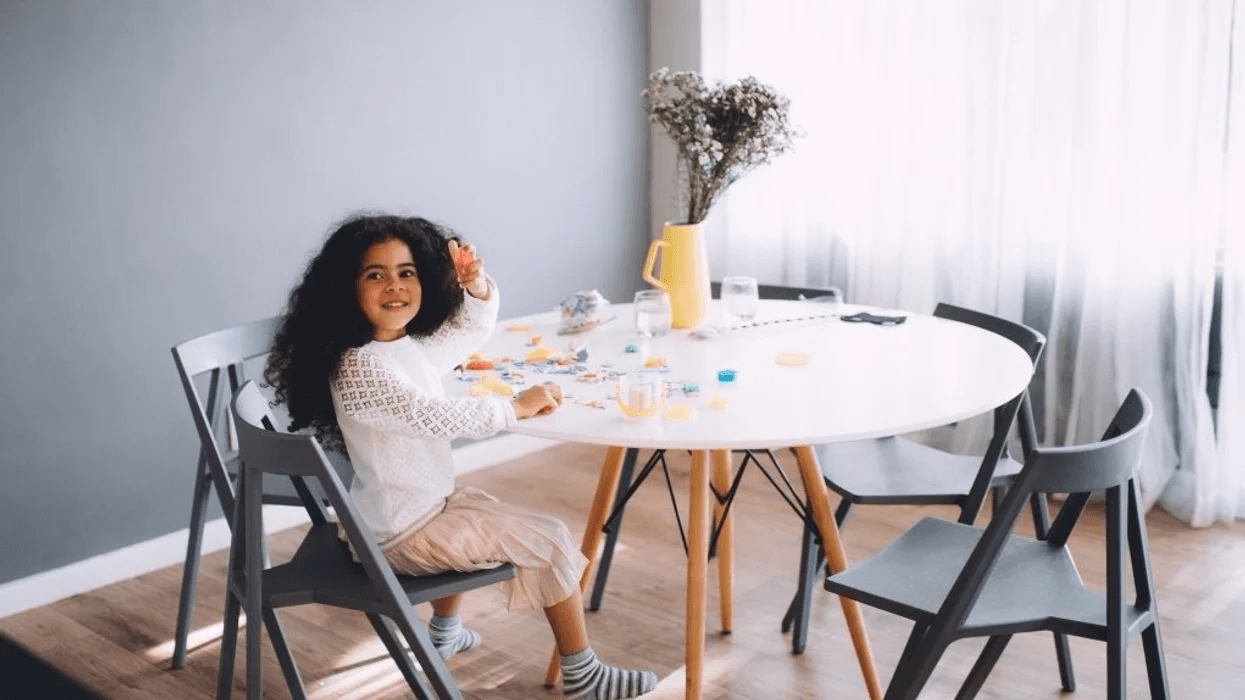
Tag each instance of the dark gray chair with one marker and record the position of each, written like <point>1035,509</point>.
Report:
<point>217,363</point>
<point>898,471</point>
<point>322,570</point>
<point>957,581</point>
<point>628,481</point>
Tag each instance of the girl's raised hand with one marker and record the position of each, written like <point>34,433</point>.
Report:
<point>469,268</point>
<point>537,400</point>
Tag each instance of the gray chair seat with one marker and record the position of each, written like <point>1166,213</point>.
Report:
<point>896,471</point>
<point>1037,588</point>
<point>323,571</point>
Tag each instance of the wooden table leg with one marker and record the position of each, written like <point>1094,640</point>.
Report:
<point>697,564</point>
<point>607,484</point>
<point>726,557</point>
<point>836,559</point>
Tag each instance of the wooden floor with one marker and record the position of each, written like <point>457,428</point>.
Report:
<point>116,639</point>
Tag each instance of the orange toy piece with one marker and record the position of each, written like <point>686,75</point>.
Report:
<point>480,364</point>
<point>655,361</point>
<point>520,326</point>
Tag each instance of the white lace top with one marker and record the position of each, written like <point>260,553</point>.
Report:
<point>398,423</point>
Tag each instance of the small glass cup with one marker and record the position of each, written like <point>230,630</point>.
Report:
<point>652,313</point>
<point>739,298</point>
<point>640,395</point>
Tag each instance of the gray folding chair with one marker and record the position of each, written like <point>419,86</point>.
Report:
<point>323,569</point>
<point>219,360</point>
<point>957,581</point>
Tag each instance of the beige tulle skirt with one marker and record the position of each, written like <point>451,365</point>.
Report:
<point>476,531</point>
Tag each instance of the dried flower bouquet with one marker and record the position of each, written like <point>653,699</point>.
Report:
<point>721,132</point>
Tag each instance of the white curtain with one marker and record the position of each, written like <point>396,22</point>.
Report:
<point>1061,163</point>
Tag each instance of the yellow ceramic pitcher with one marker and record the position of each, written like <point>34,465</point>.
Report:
<point>684,273</point>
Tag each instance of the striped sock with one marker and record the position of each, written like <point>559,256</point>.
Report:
<point>584,676</point>
<point>450,637</point>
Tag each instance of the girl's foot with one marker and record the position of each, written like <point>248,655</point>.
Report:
<point>450,637</point>
<point>584,676</point>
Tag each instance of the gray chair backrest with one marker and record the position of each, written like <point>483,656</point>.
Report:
<point>222,354</point>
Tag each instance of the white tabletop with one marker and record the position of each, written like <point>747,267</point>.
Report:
<point>862,380</point>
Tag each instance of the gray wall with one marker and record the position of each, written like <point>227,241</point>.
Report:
<point>167,168</point>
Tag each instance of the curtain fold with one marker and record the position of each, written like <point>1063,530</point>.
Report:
<point>1063,164</point>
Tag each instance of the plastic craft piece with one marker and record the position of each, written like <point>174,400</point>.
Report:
<point>655,361</point>
<point>535,340</point>
<point>631,348</point>
<point>491,384</point>
<point>679,411</point>
<point>690,388</point>
<point>542,353</point>
<point>793,358</point>
<point>726,375</point>
<point>717,402</point>
<point>480,364</point>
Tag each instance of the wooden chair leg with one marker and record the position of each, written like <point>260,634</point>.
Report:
<point>190,570</point>
<point>981,669</point>
<point>400,656</point>
<point>611,537</point>
<point>721,480</point>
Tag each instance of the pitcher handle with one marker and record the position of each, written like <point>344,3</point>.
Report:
<point>647,271</point>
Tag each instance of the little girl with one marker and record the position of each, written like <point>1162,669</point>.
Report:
<point>388,306</point>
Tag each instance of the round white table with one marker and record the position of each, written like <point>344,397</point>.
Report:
<point>860,381</point>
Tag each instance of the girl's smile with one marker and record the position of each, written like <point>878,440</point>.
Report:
<point>388,288</point>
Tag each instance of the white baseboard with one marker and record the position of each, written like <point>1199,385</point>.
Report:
<point>141,558</point>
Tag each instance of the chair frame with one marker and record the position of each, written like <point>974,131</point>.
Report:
<point>221,355</point>
<point>1109,465</point>
<point>369,585</point>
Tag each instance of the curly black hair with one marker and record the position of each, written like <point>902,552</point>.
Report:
<point>323,318</point>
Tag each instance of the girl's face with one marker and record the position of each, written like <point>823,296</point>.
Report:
<point>388,289</point>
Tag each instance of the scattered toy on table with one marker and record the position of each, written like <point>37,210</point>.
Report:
<point>520,326</point>
<point>655,361</point>
<point>690,389</point>
<point>679,411</point>
<point>717,402</point>
<point>480,364</point>
<point>542,353</point>
<point>726,375</point>
<point>631,348</point>
<point>534,340</point>
<point>793,358</point>
<point>490,384</point>
<point>591,403</point>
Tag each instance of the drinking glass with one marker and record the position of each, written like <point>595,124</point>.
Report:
<point>640,394</point>
<point>739,298</point>
<point>652,313</point>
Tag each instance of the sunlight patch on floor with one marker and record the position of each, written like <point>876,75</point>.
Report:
<point>196,640</point>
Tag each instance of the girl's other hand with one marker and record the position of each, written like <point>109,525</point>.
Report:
<point>537,400</point>
<point>469,268</point>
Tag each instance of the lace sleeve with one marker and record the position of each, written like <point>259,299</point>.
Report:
<point>369,391</point>
<point>465,333</point>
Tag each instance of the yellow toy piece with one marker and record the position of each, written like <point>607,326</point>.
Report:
<point>793,358</point>
<point>655,361</point>
<point>490,384</point>
<point>542,353</point>
<point>520,326</point>
<point>717,402</point>
<point>679,411</point>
